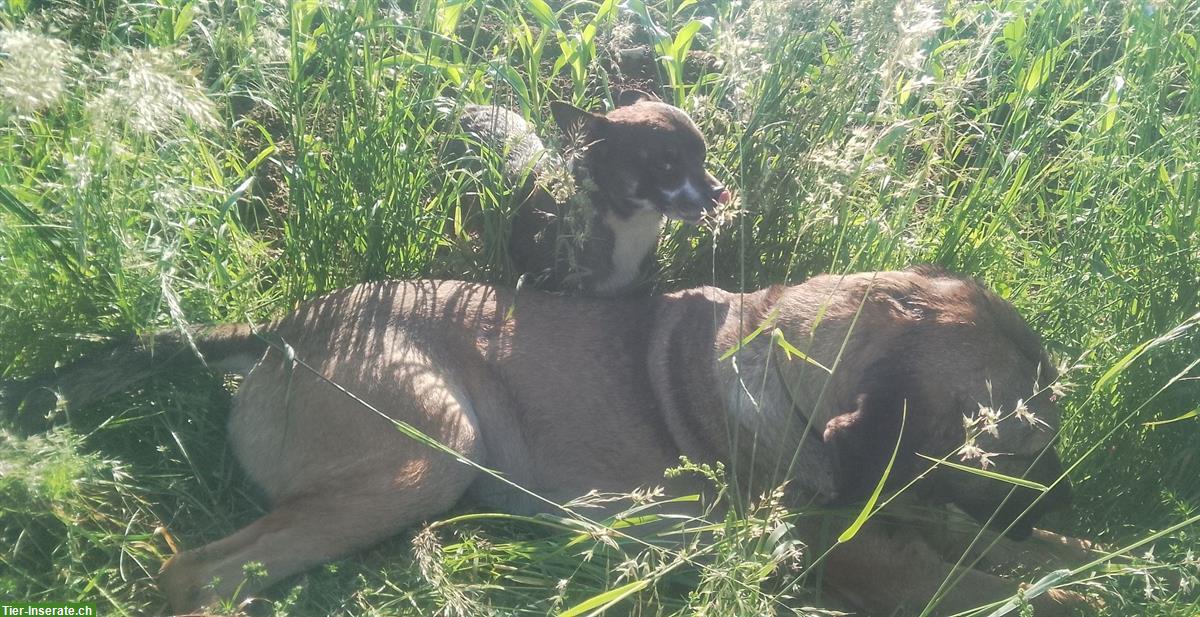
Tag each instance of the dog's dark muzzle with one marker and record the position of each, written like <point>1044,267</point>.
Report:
<point>1016,509</point>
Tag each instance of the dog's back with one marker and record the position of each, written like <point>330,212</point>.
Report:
<point>539,237</point>
<point>505,133</point>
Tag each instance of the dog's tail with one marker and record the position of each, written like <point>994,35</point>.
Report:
<point>230,348</point>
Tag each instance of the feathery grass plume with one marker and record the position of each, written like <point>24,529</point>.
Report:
<point>78,171</point>
<point>48,467</point>
<point>747,47</point>
<point>916,23</point>
<point>150,94</point>
<point>33,70</point>
<point>269,46</point>
<point>427,551</point>
<point>59,499</point>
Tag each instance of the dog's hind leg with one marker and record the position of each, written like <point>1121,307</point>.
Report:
<point>307,530</point>
<point>342,483</point>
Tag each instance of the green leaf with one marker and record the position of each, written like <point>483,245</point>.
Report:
<point>609,7</point>
<point>1039,71</point>
<point>1165,177</point>
<point>1137,352</point>
<point>1191,414</point>
<point>514,81</point>
<point>236,195</point>
<point>768,322</point>
<point>542,12</point>
<point>683,5</point>
<point>683,38</point>
<point>448,16</point>
<point>1121,365</point>
<point>1111,106</point>
<point>949,45</point>
<point>894,134</point>
<point>259,158</point>
<point>1014,37</point>
<point>606,599</point>
<point>1042,586</point>
<point>544,520</point>
<point>790,350</point>
<point>184,19</point>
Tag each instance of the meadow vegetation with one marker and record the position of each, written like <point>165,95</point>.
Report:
<point>169,162</point>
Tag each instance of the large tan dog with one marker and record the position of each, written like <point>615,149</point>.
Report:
<point>564,395</point>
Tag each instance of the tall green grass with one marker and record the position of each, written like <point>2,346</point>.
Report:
<point>174,162</point>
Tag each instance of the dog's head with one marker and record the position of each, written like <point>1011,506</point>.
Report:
<point>972,381</point>
<point>645,154</point>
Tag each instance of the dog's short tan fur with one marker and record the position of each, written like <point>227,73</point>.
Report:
<point>564,395</point>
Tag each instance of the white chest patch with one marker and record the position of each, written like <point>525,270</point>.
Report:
<point>633,239</point>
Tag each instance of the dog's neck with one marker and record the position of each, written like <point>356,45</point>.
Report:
<point>727,400</point>
<point>774,399</point>
<point>621,234</point>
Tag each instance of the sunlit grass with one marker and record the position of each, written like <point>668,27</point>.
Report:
<point>184,162</point>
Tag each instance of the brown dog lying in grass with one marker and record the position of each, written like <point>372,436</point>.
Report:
<point>565,395</point>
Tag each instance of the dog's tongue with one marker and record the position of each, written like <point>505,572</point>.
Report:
<point>724,197</point>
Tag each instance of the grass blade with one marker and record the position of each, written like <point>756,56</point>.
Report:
<point>869,508</point>
<point>991,475</point>
<point>598,603</point>
<point>1191,414</point>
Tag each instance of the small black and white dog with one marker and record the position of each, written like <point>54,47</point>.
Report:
<point>633,168</point>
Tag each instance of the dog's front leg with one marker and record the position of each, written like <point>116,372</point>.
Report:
<point>899,573</point>
<point>1041,552</point>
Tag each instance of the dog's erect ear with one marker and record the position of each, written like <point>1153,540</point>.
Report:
<point>842,427</point>
<point>625,98</point>
<point>576,122</point>
<point>855,447</point>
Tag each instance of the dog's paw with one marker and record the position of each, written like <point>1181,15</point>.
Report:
<point>178,581</point>
<point>1065,549</point>
<point>1064,603</point>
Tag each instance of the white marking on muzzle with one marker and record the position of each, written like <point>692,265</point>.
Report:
<point>688,189</point>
